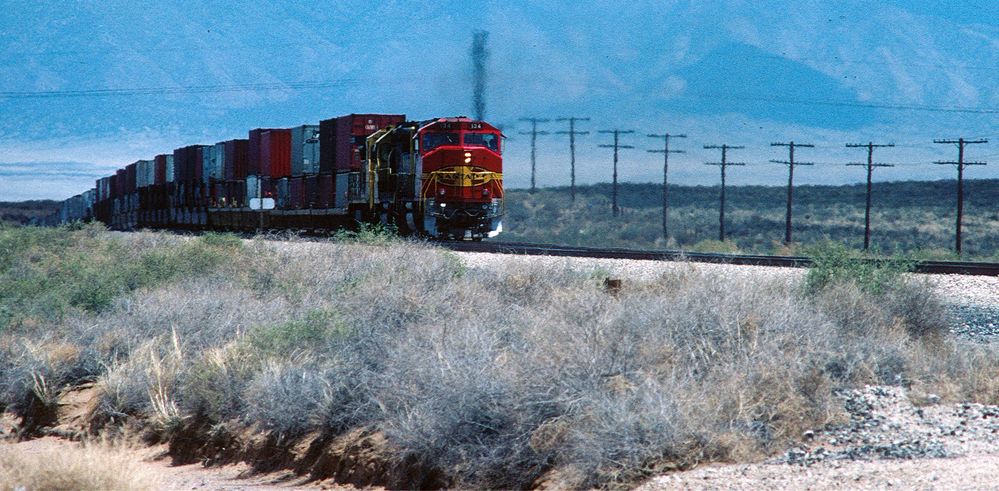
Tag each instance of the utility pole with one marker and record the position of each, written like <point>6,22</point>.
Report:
<point>723,164</point>
<point>870,146</point>
<point>666,151</point>
<point>616,132</point>
<point>790,163</point>
<point>534,138</point>
<point>961,142</point>
<point>572,150</point>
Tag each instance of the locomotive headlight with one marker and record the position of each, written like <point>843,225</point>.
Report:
<point>468,160</point>
<point>468,154</point>
<point>443,205</point>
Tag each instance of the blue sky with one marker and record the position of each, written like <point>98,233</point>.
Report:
<point>87,87</point>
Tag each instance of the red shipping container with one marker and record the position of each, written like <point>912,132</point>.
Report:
<point>327,191</point>
<point>130,176</point>
<point>159,173</point>
<point>311,191</point>
<point>269,152</point>
<point>275,153</point>
<point>236,162</point>
<point>178,165</point>
<point>119,189</point>
<point>253,148</point>
<point>296,191</point>
<point>342,140</point>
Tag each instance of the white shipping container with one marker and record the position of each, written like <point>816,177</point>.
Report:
<point>150,172</point>
<point>169,168</point>
<point>141,172</point>
<point>252,186</point>
<point>305,150</point>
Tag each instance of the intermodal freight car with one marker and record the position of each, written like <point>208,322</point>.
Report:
<point>440,178</point>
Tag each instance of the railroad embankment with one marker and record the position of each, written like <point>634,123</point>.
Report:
<point>372,361</point>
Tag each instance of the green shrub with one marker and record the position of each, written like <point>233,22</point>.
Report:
<point>834,263</point>
<point>46,272</point>
<point>369,234</point>
<point>317,328</point>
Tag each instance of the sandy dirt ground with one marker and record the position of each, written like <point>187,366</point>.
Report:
<point>966,472</point>
<point>152,461</point>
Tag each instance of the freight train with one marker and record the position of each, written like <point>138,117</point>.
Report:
<point>440,178</point>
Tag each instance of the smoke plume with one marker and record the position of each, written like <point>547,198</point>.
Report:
<point>480,54</point>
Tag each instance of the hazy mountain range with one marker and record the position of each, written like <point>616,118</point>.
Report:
<point>88,87</point>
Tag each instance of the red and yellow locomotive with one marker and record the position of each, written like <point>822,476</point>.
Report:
<point>445,174</point>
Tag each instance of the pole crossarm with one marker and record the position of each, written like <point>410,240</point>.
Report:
<point>788,162</point>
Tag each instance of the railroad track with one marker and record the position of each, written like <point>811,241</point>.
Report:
<point>926,267</point>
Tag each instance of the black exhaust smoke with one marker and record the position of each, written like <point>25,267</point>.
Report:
<point>480,54</point>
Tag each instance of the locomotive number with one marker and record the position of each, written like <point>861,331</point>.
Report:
<point>475,126</point>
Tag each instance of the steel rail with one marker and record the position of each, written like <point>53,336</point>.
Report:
<point>515,248</point>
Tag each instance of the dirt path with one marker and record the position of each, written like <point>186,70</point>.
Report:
<point>152,462</point>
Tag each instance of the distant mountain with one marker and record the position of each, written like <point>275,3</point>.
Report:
<point>174,74</point>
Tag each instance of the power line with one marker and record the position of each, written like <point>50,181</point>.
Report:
<point>870,105</point>
<point>189,89</point>
<point>870,146</point>
<point>572,150</point>
<point>534,138</point>
<point>616,132</point>
<point>960,142</point>
<point>790,163</point>
<point>666,151</point>
<point>723,165</point>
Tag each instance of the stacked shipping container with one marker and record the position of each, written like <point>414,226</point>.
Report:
<point>305,150</point>
<point>343,139</point>
<point>299,167</point>
<point>270,152</point>
<point>235,158</point>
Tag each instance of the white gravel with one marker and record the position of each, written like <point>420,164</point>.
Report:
<point>982,291</point>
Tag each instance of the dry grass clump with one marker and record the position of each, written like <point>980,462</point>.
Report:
<point>494,378</point>
<point>95,466</point>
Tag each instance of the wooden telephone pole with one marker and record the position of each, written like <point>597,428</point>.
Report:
<point>572,150</point>
<point>723,165</point>
<point>961,142</point>
<point>790,163</point>
<point>666,151</point>
<point>534,140</point>
<point>870,146</point>
<point>616,132</point>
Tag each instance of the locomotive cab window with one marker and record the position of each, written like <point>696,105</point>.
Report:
<point>434,140</point>
<point>488,140</point>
